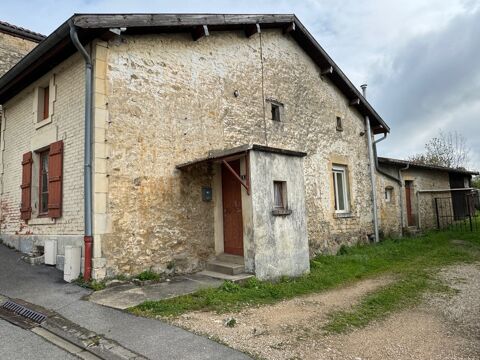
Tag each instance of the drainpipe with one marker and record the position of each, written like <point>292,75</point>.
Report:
<point>87,162</point>
<point>402,217</point>
<point>372,168</point>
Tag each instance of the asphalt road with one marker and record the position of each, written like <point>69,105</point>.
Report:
<point>156,340</point>
<point>19,344</point>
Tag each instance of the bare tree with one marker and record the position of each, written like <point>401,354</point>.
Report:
<point>447,149</point>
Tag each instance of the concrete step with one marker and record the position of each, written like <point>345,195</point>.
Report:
<point>234,259</point>
<point>233,278</point>
<point>226,268</point>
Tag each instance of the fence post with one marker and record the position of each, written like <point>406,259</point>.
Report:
<point>436,211</point>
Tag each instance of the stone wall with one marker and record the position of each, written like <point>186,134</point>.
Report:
<point>389,212</point>
<point>21,133</point>
<point>280,242</point>
<point>423,203</point>
<point>171,100</point>
<point>12,50</point>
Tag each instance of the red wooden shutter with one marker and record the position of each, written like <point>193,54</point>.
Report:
<point>26,205</point>
<point>55,170</point>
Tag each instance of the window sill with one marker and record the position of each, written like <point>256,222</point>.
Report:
<point>42,123</point>
<point>41,221</point>
<point>346,215</point>
<point>281,212</point>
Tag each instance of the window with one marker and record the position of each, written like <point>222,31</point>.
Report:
<point>340,187</point>
<point>43,183</point>
<point>388,194</point>
<point>280,194</point>
<point>49,167</point>
<point>339,124</point>
<point>46,102</point>
<point>275,112</point>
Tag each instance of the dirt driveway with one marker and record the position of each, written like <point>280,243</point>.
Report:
<point>443,327</point>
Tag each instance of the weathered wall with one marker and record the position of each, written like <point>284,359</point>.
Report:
<point>12,49</point>
<point>389,214</point>
<point>171,100</point>
<point>312,104</point>
<point>423,204</point>
<point>21,133</point>
<point>280,242</point>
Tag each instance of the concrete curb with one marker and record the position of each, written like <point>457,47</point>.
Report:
<point>73,338</point>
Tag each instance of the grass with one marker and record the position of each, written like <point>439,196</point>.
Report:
<point>410,260</point>
<point>100,285</point>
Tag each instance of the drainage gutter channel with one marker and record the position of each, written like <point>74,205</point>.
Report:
<point>63,333</point>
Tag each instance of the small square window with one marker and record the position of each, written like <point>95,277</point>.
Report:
<point>388,194</point>
<point>339,124</point>
<point>280,195</point>
<point>277,111</point>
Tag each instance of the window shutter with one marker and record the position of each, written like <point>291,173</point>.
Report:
<point>26,205</point>
<point>55,179</point>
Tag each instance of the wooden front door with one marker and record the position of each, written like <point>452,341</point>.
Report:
<point>232,210</point>
<point>408,197</point>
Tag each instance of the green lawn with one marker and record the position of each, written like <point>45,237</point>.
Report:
<point>412,261</point>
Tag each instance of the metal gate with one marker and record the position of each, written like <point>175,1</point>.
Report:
<point>459,213</point>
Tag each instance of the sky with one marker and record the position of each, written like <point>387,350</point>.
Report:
<point>420,58</point>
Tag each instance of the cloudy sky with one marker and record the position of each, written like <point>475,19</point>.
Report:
<point>420,58</point>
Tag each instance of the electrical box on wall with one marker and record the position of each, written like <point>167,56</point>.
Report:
<point>207,193</point>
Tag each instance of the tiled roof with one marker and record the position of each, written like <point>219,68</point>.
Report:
<point>20,32</point>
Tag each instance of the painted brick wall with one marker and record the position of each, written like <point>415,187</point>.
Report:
<point>19,135</point>
<point>171,100</point>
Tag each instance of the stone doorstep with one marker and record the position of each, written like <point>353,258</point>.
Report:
<point>73,338</point>
<point>238,278</point>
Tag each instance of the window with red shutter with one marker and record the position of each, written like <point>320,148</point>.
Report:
<point>55,179</point>
<point>26,204</point>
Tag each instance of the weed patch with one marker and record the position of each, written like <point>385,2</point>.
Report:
<point>410,259</point>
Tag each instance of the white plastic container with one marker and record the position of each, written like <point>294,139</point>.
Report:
<point>50,252</point>
<point>73,255</point>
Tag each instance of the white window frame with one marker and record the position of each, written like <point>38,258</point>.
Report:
<point>38,102</point>
<point>343,171</point>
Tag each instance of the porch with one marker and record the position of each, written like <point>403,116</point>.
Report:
<point>258,197</point>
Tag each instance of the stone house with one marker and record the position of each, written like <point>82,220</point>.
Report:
<point>408,193</point>
<point>179,142</point>
<point>15,43</point>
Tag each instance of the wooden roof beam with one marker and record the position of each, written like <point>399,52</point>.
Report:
<point>252,29</point>
<point>200,31</point>
<point>326,71</point>
<point>289,28</point>
<point>355,102</point>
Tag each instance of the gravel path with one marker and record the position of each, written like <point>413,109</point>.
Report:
<point>443,327</point>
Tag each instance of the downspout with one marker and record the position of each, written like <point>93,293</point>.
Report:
<point>372,169</point>
<point>87,162</point>
<point>402,217</point>
<point>391,177</point>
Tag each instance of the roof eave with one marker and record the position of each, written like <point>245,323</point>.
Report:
<point>91,25</point>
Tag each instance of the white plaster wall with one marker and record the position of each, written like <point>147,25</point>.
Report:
<point>280,242</point>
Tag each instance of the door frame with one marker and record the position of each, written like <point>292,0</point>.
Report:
<point>218,200</point>
<point>411,221</point>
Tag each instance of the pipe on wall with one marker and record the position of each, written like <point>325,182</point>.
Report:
<point>372,169</point>
<point>87,180</point>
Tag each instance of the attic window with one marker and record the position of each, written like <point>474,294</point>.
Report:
<point>339,124</point>
<point>277,111</point>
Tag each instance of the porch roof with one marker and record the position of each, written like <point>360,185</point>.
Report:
<point>216,155</point>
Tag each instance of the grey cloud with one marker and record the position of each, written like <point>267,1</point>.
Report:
<point>434,82</point>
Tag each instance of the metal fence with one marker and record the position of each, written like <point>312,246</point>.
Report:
<point>460,212</point>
